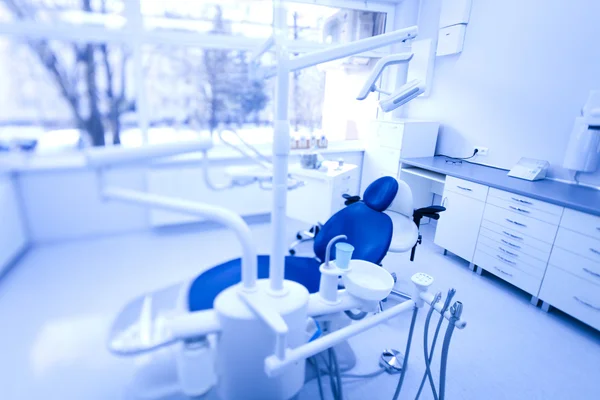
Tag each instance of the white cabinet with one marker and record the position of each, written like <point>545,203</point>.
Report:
<point>389,141</point>
<point>12,233</point>
<point>458,227</point>
<point>516,238</point>
<point>572,281</point>
<point>321,195</point>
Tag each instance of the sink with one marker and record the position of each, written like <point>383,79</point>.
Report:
<point>368,281</point>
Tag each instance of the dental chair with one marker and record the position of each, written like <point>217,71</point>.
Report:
<point>139,328</point>
<point>365,224</point>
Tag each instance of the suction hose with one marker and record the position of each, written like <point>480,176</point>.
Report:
<point>405,362</point>
<point>429,356</point>
<point>456,311</point>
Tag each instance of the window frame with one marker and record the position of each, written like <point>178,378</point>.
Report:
<point>134,34</point>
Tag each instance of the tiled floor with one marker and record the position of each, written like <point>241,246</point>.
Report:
<point>57,303</point>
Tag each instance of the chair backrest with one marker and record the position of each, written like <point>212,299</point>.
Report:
<point>368,229</point>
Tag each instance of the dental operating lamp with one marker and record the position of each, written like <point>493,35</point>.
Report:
<point>403,95</point>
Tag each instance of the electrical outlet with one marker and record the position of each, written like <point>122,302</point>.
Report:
<point>481,151</point>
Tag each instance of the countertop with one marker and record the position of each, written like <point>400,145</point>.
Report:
<point>579,198</point>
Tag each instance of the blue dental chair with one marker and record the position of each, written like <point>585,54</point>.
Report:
<point>364,222</point>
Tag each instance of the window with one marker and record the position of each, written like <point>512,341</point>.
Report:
<point>129,72</point>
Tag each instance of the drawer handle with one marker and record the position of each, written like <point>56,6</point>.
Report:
<point>464,188</point>
<point>503,272</point>
<point>585,303</point>
<point>512,236</point>
<point>522,201</point>
<point>516,223</point>
<point>506,261</point>
<point>595,251</point>
<point>510,244</point>
<point>519,209</point>
<point>592,273</point>
<point>508,252</point>
<point>346,178</point>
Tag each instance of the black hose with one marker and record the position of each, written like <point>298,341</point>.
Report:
<point>332,376</point>
<point>336,367</point>
<point>444,360</point>
<point>355,317</point>
<point>428,355</point>
<point>405,362</point>
<point>319,382</point>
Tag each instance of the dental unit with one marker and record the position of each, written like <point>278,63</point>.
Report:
<point>253,343</point>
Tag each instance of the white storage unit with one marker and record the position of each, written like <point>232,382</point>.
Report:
<point>458,227</point>
<point>516,239</point>
<point>390,141</point>
<point>572,281</point>
<point>321,195</point>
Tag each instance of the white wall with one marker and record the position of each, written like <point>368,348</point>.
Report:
<point>13,234</point>
<point>65,204</point>
<point>523,76</point>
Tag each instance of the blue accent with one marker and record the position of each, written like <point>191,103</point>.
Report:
<point>369,231</point>
<point>380,194</point>
<point>318,333</point>
<point>209,284</point>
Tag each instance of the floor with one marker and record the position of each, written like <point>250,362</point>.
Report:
<point>56,306</point>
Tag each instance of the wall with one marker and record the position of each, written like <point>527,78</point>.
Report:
<point>523,76</point>
<point>13,233</point>
<point>65,204</point>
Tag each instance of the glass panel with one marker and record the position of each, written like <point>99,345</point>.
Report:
<point>63,96</point>
<point>325,24</point>
<point>307,93</point>
<point>250,18</point>
<point>192,91</point>
<point>91,12</point>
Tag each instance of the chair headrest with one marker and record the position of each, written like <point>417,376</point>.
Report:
<point>380,194</point>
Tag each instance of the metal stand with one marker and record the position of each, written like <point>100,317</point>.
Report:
<point>392,360</point>
<point>534,301</point>
<point>305,236</point>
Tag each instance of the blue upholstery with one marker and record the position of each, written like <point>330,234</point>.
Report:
<point>206,287</point>
<point>380,194</point>
<point>368,229</point>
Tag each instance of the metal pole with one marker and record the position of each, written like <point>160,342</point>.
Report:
<point>281,149</point>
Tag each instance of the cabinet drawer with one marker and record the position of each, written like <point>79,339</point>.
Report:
<point>519,200</point>
<point>579,244</point>
<point>384,159</point>
<point>581,222</point>
<point>573,295</point>
<point>575,264</point>
<point>518,238</point>
<point>515,276</point>
<point>390,135</point>
<point>528,211</point>
<point>513,244</point>
<point>510,261</point>
<point>511,255</point>
<point>466,188</point>
<point>528,226</point>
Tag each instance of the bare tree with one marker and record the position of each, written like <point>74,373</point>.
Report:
<point>86,76</point>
